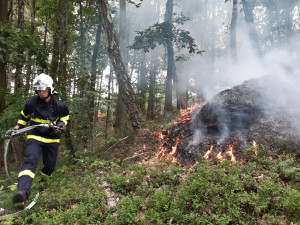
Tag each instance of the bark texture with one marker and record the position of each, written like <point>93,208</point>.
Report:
<point>121,115</point>
<point>171,70</point>
<point>115,56</point>
<point>4,20</point>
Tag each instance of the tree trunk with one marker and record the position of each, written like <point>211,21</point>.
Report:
<point>62,63</point>
<point>93,78</point>
<point>151,99</point>
<point>12,13</point>
<point>233,30</point>
<point>213,40</point>
<point>121,117</point>
<point>32,30</point>
<point>142,83</point>
<point>107,121</point>
<point>83,73</point>
<point>298,6</point>
<point>4,21</point>
<point>56,43</point>
<point>122,76</point>
<point>19,64</point>
<point>171,70</point>
<point>248,11</point>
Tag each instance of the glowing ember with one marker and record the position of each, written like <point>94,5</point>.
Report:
<point>208,152</point>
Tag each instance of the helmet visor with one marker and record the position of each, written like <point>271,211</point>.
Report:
<point>40,88</point>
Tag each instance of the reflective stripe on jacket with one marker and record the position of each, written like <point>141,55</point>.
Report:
<point>37,111</point>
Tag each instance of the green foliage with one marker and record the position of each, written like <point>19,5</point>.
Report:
<point>136,175</point>
<point>9,118</point>
<point>160,33</point>
<point>19,42</point>
<point>128,209</point>
<point>163,176</point>
<point>289,170</point>
<point>158,205</point>
<point>117,182</point>
<point>211,193</point>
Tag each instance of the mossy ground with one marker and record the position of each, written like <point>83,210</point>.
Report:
<point>119,186</point>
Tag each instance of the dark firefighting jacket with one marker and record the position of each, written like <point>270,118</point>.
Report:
<point>37,111</point>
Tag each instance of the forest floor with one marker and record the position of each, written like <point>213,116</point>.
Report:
<point>126,183</point>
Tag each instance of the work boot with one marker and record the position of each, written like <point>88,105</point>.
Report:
<point>19,199</point>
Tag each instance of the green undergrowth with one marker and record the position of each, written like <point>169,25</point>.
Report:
<point>263,190</point>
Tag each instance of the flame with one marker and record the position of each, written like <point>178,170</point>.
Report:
<point>219,157</point>
<point>164,136</point>
<point>208,152</point>
<point>255,147</point>
<point>163,152</point>
<point>174,148</point>
<point>230,153</point>
<point>161,136</point>
<point>185,114</point>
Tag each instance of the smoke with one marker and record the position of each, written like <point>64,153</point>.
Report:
<point>214,70</point>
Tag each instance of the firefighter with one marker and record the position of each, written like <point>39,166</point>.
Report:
<point>43,109</point>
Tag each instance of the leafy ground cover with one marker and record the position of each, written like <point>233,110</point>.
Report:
<point>129,185</point>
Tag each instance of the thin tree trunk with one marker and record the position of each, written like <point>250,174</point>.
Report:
<point>57,39</point>
<point>32,30</point>
<point>93,78</point>
<point>171,70</point>
<point>151,99</point>
<point>249,18</point>
<point>19,65</point>
<point>143,83</point>
<point>99,88</point>
<point>213,40</point>
<point>4,21</point>
<point>298,6</point>
<point>13,23</point>
<point>108,105</point>
<point>115,56</point>
<point>121,117</point>
<point>233,30</point>
<point>83,73</point>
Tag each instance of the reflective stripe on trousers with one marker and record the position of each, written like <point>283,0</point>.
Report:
<point>34,149</point>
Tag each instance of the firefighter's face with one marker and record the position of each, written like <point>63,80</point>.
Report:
<point>43,93</point>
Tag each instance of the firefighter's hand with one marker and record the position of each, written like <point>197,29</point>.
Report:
<point>58,130</point>
<point>9,133</point>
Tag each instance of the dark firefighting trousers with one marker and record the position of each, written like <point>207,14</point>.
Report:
<point>34,149</point>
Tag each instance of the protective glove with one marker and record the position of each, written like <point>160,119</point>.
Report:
<point>57,130</point>
<point>9,133</point>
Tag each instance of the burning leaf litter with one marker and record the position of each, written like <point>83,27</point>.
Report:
<point>170,142</point>
<point>228,124</point>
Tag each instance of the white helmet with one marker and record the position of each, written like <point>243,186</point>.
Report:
<point>42,82</point>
